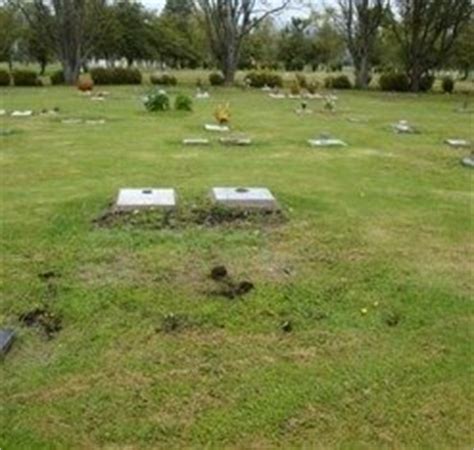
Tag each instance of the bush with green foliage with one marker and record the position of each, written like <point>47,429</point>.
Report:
<point>448,85</point>
<point>339,82</point>
<point>116,75</point>
<point>57,77</point>
<point>301,80</point>
<point>4,78</point>
<point>157,100</point>
<point>261,79</point>
<point>26,78</point>
<point>164,80</point>
<point>426,83</point>
<point>295,88</point>
<point>183,103</point>
<point>394,82</point>
<point>312,87</point>
<point>216,79</point>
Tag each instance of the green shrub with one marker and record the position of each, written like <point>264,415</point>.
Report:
<point>295,88</point>
<point>164,80</point>
<point>157,100</point>
<point>426,83</point>
<point>312,87</point>
<point>448,85</point>
<point>4,78</point>
<point>115,75</point>
<point>57,77</point>
<point>25,78</point>
<point>216,79</point>
<point>260,79</point>
<point>339,82</point>
<point>394,81</point>
<point>301,80</point>
<point>183,103</point>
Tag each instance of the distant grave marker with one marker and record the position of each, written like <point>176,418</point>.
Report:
<point>255,198</point>
<point>403,127</point>
<point>468,161</point>
<point>196,141</point>
<point>235,140</point>
<point>27,113</point>
<point>458,143</point>
<point>325,140</point>
<point>145,198</point>
<point>218,128</point>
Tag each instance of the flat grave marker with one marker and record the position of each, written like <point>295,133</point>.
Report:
<point>213,127</point>
<point>145,198</point>
<point>255,198</point>
<point>196,141</point>
<point>458,143</point>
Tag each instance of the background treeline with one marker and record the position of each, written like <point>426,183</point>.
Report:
<point>407,40</point>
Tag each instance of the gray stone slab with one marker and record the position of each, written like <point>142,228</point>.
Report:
<point>146,198</point>
<point>27,113</point>
<point>246,198</point>
<point>403,127</point>
<point>240,141</point>
<point>6,340</point>
<point>327,143</point>
<point>458,143</point>
<point>213,127</point>
<point>468,161</point>
<point>196,141</point>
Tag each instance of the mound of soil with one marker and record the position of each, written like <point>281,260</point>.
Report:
<point>205,215</point>
<point>43,319</point>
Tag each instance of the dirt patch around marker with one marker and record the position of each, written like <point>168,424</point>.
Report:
<point>48,322</point>
<point>201,215</point>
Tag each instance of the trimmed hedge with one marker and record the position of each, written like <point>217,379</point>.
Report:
<point>394,82</point>
<point>164,80</point>
<point>339,82</point>
<point>448,85</point>
<point>26,78</point>
<point>261,79</point>
<point>426,83</point>
<point>157,100</point>
<point>4,78</point>
<point>57,77</point>
<point>183,103</point>
<point>216,79</point>
<point>115,75</point>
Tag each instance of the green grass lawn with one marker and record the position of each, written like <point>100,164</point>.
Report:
<point>373,268</point>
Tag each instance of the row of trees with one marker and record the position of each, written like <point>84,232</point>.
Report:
<point>416,36</point>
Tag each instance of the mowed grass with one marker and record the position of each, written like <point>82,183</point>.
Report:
<point>383,226</point>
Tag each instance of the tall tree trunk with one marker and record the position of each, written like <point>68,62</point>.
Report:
<point>415,75</point>
<point>43,64</point>
<point>362,73</point>
<point>229,66</point>
<point>71,71</point>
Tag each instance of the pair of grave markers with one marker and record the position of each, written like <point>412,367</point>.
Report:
<point>253,198</point>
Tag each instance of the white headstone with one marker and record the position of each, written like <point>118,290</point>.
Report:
<point>130,199</point>
<point>327,143</point>
<point>212,127</point>
<point>22,113</point>
<point>240,141</point>
<point>245,198</point>
<point>196,141</point>
<point>468,161</point>
<point>458,143</point>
